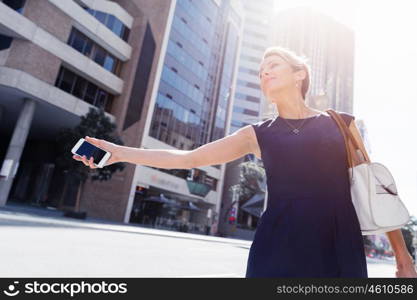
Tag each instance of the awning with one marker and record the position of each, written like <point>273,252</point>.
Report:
<point>162,199</point>
<point>190,206</point>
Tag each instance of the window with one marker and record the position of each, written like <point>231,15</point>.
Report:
<point>248,84</point>
<point>75,41</point>
<point>117,27</point>
<point>250,112</point>
<point>100,56</point>
<point>126,32</point>
<point>67,80</point>
<point>16,5</point>
<point>88,49</point>
<point>248,71</point>
<point>109,103</point>
<point>111,22</point>
<point>84,45</point>
<point>80,42</point>
<point>90,93</point>
<point>101,16</point>
<point>81,88</point>
<point>109,63</point>
<point>5,42</point>
<point>101,98</point>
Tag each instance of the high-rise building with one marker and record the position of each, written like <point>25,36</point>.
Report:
<point>192,107</point>
<point>360,123</point>
<point>329,47</point>
<point>248,105</point>
<point>164,71</point>
<point>257,36</point>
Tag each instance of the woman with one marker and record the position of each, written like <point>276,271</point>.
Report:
<point>310,227</point>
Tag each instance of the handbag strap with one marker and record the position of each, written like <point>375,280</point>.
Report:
<point>352,147</point>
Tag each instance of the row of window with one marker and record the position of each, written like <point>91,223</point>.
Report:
<point>247,97</point>
<point>171,77</point>
<point>253,46</point>
<point>111,22</point>
<point>198,42</point>
<point>196,15</point>
<point>16,5</point>
<point>210,7</point>
<point>250,21</point>
<point>245,111</point>
<point>248,84</point>
<point>81,88</point>
<point>86,46</point>
<point>255,34</point>
<point>251,58</point>
<point>249,71</point>
<point>169,126</point>
<point>178,111</point>
<point>235,17</point>
<point>239,124</point>
<point>176,50</point>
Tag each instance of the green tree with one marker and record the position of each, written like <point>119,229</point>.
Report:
<point>95,124</point>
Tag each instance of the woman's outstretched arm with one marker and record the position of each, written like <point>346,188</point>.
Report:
<point>220,151</point>
<point>226,149</point>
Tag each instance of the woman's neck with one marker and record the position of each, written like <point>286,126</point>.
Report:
<point>296,111</point>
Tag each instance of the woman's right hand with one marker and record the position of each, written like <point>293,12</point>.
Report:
<point>114,149</point>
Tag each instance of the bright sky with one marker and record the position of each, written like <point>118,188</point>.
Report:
<point>385,72</point>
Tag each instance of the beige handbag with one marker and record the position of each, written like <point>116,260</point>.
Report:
<point>372,187</point>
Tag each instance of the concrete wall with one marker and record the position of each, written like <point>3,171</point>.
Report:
<point>47,16</point>
<point>34,60</point>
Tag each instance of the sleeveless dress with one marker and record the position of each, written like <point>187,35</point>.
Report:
<point>310,227</point>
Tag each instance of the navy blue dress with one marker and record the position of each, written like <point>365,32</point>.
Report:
<point>310,227</point>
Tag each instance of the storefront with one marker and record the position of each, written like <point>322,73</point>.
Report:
<point>162,209</point>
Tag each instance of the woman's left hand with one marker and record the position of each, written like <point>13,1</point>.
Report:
<point>407,270</point>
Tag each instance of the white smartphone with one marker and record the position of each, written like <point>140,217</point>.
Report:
<point>100,156</point>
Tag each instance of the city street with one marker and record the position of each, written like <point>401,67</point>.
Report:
<point>39,246</point>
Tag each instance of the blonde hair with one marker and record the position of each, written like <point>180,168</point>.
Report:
<point>296,62</point>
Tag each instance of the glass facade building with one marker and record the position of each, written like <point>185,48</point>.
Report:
<point>193,106</point>
<point>257,36</point>
<point>194,91</point>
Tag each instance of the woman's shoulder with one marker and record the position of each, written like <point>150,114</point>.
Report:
<point>263,124</point>
<point>347,117</point>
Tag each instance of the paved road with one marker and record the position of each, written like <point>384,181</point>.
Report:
<point>36,246</point>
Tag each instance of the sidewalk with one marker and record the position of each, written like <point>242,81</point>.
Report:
<point>13,214</point>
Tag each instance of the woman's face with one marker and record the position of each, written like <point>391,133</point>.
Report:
<point>276,75</point>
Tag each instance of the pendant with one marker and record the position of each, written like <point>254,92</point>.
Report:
<point>296,131</point>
